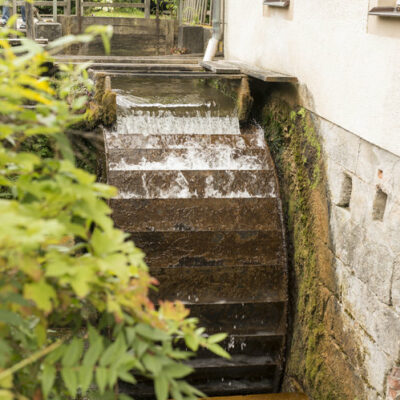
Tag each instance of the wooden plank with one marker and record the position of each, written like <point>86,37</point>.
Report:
<point>262,74</point>
<point>112,5</point>
<point>180,75</point>
<point>219,67</point>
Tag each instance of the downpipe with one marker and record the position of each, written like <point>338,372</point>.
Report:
<point>212,46</point>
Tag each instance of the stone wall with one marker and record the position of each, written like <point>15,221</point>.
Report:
<point>364,190</point>
<point>131,37</point>
<point>342,203</point>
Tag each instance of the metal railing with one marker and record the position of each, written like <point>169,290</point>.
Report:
<point>196,11</point>
<point>66,6</point>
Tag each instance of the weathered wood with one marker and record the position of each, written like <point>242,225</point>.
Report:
<point>30,22</point>
<point>262,74</point>
<point>220,67</point>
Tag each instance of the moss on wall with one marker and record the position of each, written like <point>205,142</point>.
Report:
<point>315,363</point>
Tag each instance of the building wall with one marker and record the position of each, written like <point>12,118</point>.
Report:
<point>348,66</point>
<point>366,249</point>
<point>349,62</point>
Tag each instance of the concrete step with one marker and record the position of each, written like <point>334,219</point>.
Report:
<point>187,159</point>
<point>210,248</point>
<point>190,215</point>
<point>142,67</point>
<point>181,141</point>
<point>211,284</point>
<point>193,184</point>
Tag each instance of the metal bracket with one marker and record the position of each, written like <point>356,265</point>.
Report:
<point>277,3</point>
<point>390,12</point>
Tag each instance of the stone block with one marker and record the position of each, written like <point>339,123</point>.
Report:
<point>191,37</point>
<point>48,30</point>
<point>340,145</point>
<point>335,175</point>
<point>347,236</point>
<point>379,321</point>
<point>375,166</point>
<point>373,265</point>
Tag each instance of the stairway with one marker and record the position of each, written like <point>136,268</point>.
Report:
<point>202,202</point>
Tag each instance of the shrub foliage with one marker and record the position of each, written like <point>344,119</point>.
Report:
<point>75,316</point>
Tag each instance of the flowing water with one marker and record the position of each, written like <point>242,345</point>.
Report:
<point>200,197</point>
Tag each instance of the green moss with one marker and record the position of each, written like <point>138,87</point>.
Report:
<point>296,149</point>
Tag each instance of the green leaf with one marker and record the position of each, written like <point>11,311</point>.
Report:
<point>161,387</point>
<point>113,352</point>
<point>177,371</point>
<point>10,318</point>
<point>192,341</point>
<point>218,337</point>
<point>101,378</point>
<point>140,347</point>
<point>152,364</point>
<point>56,354</point>
<point>130,335</point>
<point>85,375</point>
<point>41,293</point>
<point>94,352</point>
<point>151,333</point>
<point>48,378</point>
<point>126,377</point>
<point>218,350</point>
<point>73,353</point>
<point>70,379</point>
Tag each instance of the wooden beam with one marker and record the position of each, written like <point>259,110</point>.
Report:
<point>219,67</point>
<point>262,74</point>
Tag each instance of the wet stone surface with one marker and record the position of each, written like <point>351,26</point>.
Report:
<point>201,199</point>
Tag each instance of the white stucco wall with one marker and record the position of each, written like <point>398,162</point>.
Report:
<point>348,62</point>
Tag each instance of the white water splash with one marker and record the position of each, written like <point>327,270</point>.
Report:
<point>147,123</point>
